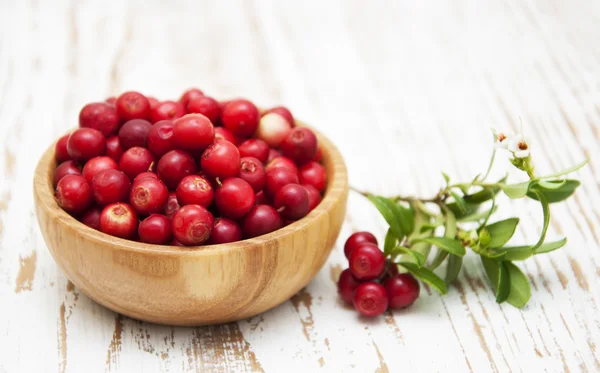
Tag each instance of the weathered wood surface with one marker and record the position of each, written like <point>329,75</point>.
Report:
<point>405,89</point>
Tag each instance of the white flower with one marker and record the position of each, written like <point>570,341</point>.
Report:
<point>501,140</point>
<point>519,146</point>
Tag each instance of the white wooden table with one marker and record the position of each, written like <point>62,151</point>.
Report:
<point>404,88</point>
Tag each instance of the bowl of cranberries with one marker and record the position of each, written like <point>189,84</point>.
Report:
<point>193,211</point>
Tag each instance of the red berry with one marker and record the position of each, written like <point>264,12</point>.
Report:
<point>100,116</point>
<point>113,148</point>
<point>318,155</point>
<point>111,100</point>
<point>92,217</point>
<point>172,205</point>
<point>86,143</point>
<point>160,138</point>
<point>292,201</point>
<point>347,285</point>
<point>134,133</point>
<point>284,112</point>
<point>221,159</point>
<point>222,133</point>
<point>206,106</point>
<point>240,117</point>
<point>234,198</point>
<point>193,132</point>
<point>254,148</point>
<point>97,164</point>
<point>176,243</point>
<point>167,110</point>
<point>64,169</point>
<point>314,174</point>
<point>110,186</point>
<point>189,95</point>
<point>273,153</point>
<point>357,239</point>
<point>367,262</point>
<point>300,145</point>
<point>174,166</point>
<point>273,129</point>
<point>133,105</point>
<point>402,290</point>
<point>261,199</point>
<point>153,102</point>
<point>144,175</point>
<point>119,219</point>
<point>370,299</point>
<point>225,231</point>
<point>74,194</point>
<point>282,162</point>
<point>135,161</point>
<point>194,190</point>
<point>252,170</point>
<point>314,196</point>
<point>148,196</point>
<point>277,178</point>
<point>61,154</point>
<point>155,229</point>
<point>262,219</point>
<point>192,225</point>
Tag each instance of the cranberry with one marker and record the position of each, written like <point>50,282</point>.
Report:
<point>174,166</point>
<point>135,161</point>
<point>64,169</point>
<point>292,201</point>
<point>132,105</point>
<point>176,243</point>
<point>155,229</point>
<point>252,170</point>
<point>357,239</point>
<point>172,205</point>
<point>192,225</point>
<point>225,231</point>
<point>314,174</point>
<point>262,219</point>
<point>260,198</point>
<point>160,138</point>
<point>347,285</point>
<point>144,175</point>
<point>134,133</point>
<point>153,102</point>
<point>402,290</point>
<point>100,116</point>
<point>86,143</point>
<point>300,145</point>
<point>97,164</point>
<point>61,154</point>
<point>284,112</point>
<point>254,148</point>
<point>113,148</point>
<point>273,129</point>
<point>367,262</point>
<point>282,162</point>
<point>110,186</point>
<point>189,95</point>
<point>193,132</point>
<point>240,117</point>
<point>370,299</point>
<point>222,133</point>
<point>318,155</point>
<point>206,106</point>
<point>273,153</point>
<point>234,198</point>
<point>194,190</point>
<point>92,217</point>
<point>277,178</point>
<point>111,100</point>
<point>221,159</point>
<point>148,196</point>
<point>167,110</point>
<point>314,196</point>
<point>74,194</point>
<point>119,219</point>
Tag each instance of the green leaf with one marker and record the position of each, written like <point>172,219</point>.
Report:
<point>450,233</point>
<point>418,258</point>
<point>524,252</point>
<point>389,243</point>
<point>406,216</point>
<point>484,238</point>
<point>520,292</point>
<point>551,184</point>
<point>460,202</point>
<point>551,246</point>
<point>478,215</point>
<point>515,191</point>
<point>453,269</point>
<point>492,269</point>
<point>481,196</point>
<point>426,276</point>
<point>503,287</point>
<point>558,194</point>
<point>546,211</point>
<point>461,213</point>
<point>446,177</point>
<point>389,213</point>
<point>501,231</point>
<point>450,245</point>
<point>566,171</point>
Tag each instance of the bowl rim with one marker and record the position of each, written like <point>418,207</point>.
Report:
<point>337,186</point>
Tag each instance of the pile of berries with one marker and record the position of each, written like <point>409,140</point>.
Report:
<point>372,284</point>
<point>188,172</point>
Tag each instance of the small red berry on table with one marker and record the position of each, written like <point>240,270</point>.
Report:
<point>367,262</point>
<point>347,285</point>
<point>370,299</point>
<point>357,239</point>
<point>402,290</point>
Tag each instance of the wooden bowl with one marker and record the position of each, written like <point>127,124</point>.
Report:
<point>195,285</point>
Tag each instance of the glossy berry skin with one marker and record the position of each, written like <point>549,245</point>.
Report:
<point>300,145</point>
<point>222,133</point>
<point>254,148</point>
<point>206,106</point>
<point>282,162</point>
<point>252,171</point>
<point>172,205</point>
<point>132,105</point>
<point>192,225</point>
<point>221,159</point>
<point>73,194</point>
<point>367,262</point>
<point>113,148</point>
<point>100,116</point>
<point>261,199</point>
<point>262,219</point>
<point>292,201</point>
<point>97,164</point>
<point>110,186</point>
<point>357,239</point>
<point>370,299</point>
<point>134,133</point>
<point>64,169</point>
<point>174,166</point>
<point>167,110</point>
<point>273,129</point>
<point>224,231</point>
<point>119,220</point>
<point>86,143</point>
<point>61,154</point>
<point>111,100</point>
<point>144,175</point>
<point>240,117</point>
<point>155,229</point>
<point>277,178</point>
<point>91,218</point>
<point>153,102</point>
<point>284,112</point>
<point>135,161</point>
<point>160,138</point>
<point>193,132</point>
<point>402,290</point>
<point>273,153</point>
<point>318,155</point>
<point>347,285</point>
<point>189,95</point>
<point>148,196</point>
<point>314,174</point>
<point>234,198</point>
<point>194,190</point>
<point>314,196</point>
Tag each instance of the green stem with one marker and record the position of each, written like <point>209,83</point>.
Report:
<point>487,173</point>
